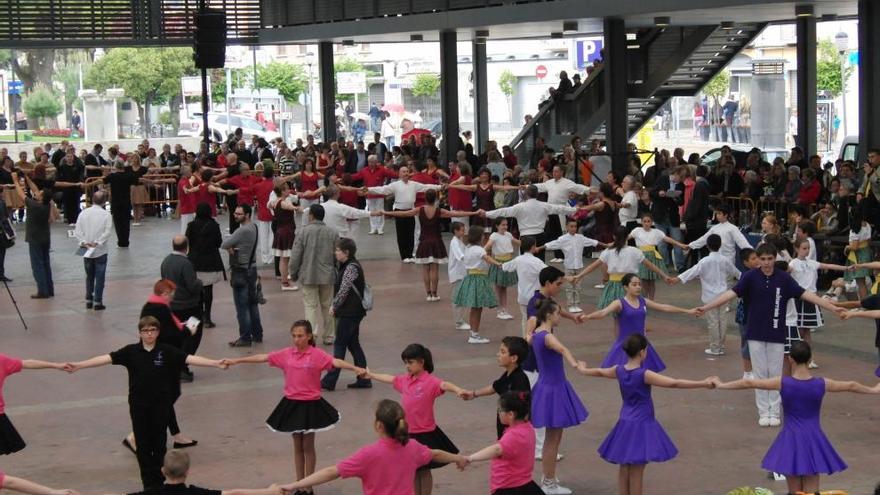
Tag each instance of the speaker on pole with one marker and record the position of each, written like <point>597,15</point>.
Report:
<point>210,39</point>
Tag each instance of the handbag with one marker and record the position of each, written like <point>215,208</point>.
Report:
<point>366,297</point>
<point>238,275</point>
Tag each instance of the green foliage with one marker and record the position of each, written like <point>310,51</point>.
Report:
<point>290,80</point>
<point>507,81</point>
<point>828,74</point>
<point>5,56</point>
<point>165,117</point>
<point>718,86</point>
<point>426,85</point>
<point>67,76</point>
<point>42,103</point>
<point>148,75</point>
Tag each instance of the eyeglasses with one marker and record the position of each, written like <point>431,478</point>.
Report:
<point>148,330</point>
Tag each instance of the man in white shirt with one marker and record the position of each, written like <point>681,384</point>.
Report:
<point>714,272</point>
<point>92,230</point>
<point>404,191</point>
<point>531,215</point>
<point>456,271</point>
<point>558,190</point>
<point>731,236</point>
<point>337,215</point>
<point>527,267</point>
<point>629,205</point>
<point>572,246</point>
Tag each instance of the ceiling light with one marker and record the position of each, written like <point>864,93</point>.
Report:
<point>662,21</point>
<point>556,34</point>
<point>727,25</point>
<point>803,10</point>
<point>481,33</point>
<point>568,26</point>
<point>347,42</point>
<point>416,37</point>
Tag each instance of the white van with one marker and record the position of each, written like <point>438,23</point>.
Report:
<point>849,149</point>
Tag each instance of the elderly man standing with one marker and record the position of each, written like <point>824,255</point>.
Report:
<point>92,231</point>
<point>313,264</point>
<point>186,302</point>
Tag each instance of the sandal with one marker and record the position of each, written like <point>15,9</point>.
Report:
<point>128,446</point>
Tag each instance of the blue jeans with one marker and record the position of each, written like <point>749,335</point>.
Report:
<point>95,270</point>
<point>389,142</point>
<point>41,268</point>
<point>677,254</point>
<point>347,339</point>
<point>246,308</point>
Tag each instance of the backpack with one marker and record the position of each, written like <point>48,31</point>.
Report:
<point>367,296</point>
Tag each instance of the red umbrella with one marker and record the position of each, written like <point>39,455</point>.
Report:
<point>415,132</point>
<point>393,107</point>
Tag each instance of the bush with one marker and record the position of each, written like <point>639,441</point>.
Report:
<point>42,103</point>
<point>65,133</point>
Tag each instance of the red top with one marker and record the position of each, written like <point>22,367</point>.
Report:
<point>374,178</point>
<point>349,198</point>
<point>262,190</point>
<point>308,182</point>
<point>510,160</point>
<point>810,192</point>
<point>8,366</point>
<point>386,467</point>
<point>302,371</point>
<point>458,199</point>
<point>203,195</point>
<point>186,201</point>
<point>221,161</point>
<point>423,178</point>
<point>245,186</point>
<point>417,394</point>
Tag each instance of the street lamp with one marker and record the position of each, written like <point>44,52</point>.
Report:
<point>309,109</point>
<point>841,39</point>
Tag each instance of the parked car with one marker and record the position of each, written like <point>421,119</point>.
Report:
<point>221,129</point>
<point>741,155</point>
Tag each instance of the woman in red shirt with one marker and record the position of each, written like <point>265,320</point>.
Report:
<point>810,188</point>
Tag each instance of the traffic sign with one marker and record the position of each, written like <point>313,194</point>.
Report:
<point>351,83</point>
<point>540,72</point>
<point>16,87</point>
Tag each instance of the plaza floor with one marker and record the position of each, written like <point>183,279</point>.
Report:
<point>74,424</point>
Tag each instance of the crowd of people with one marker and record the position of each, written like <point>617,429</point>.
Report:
<point>645,226</point>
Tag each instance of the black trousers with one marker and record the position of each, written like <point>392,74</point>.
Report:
<point>149,422</point>
<point>406,229</point>
<point>70,199</point>
<point>553,231</point>
<point>173,427</point>
<point>231,205</point>
<point>347,339</point>
<point>540,240</point>
<point>191,341</point>
<point>2,260</point>
<point>122,223</point>
<point>694,255</point>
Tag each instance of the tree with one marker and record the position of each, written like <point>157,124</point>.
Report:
<point>506,82</point>
<point>828,73</point>
<point>346,64</point>
<point>426,85</point>
<point>34,68</point>
<point>717,88</point>
<point>290,80</point>
<point>148,76</point>
<point>42,103</point>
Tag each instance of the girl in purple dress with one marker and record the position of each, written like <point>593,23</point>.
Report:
<point>631,311</point>
<point>801,451</point>
<point>638,438</point>
<point>555,404</point>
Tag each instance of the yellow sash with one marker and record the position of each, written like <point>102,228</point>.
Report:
<point>852,252</point>
<point>615,277</point>
<point>652,249</point>
<point>875,289</point>
<point>477,272</point>
<point>504,257</point>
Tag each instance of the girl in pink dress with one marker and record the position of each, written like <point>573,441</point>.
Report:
<point>385,467</point>
<point>302,411</point>
<point>419,388</point>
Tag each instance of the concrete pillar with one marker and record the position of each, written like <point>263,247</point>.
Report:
<point>869,77</point>
<point>616,124</point>
<point>481,97</point>
<point>328,90</point>
<point>449,95</point>
<point>806,84</point>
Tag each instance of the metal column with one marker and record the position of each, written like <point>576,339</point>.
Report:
<point>616,124</point>
<point>328,90</point>
<point>869,77</point>
<point>481,97</point>
<point>806,84</point>
<point>449,95</point>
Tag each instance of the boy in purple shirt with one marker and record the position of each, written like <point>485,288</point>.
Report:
<point>766,291</point>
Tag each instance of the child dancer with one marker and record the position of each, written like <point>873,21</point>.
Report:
<point>512,352</point>
<point>385,466</point>
<point>619,259</point>
<point>638,438</point>
<point>750,261</point>
<point>430,251</point>
<point>528,268</point>
<point>501,244</point>
<point>474,291</point>
<point>714,272</point>
<point>302,411</point>
<point>555,404</point>
<point>10,440</point>
<point>858,251</point>
<point>872,304</point>
<point>805,272</point>
<point>572,246</point>
<point>419,388</point>
<point>456,271</point>
<point>512,464</point>
<point>631,311</point>
<point>647,239</point>
<point>26,486</point>
<point>801,451</point>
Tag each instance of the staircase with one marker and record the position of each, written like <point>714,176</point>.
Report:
<point>661,63</point>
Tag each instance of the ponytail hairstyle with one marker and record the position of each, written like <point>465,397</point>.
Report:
<point>516,402</point>
<point>391,415</point>
<point>307,326</point>
<point>634,344</point>
<point>546,307</point>
<point>418,352</point>
<point>621,236</point>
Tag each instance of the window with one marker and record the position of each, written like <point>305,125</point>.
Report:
<point>851,151</point>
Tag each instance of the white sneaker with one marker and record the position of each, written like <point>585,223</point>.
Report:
<point>289,287</point>
<point>773,421</point>
<point>812,365</point>
<point>556,260</point>
<point>575,309</point>
<point>436,298</point>
<point>552,487</point>
<point>429,298</point>
<point>714,353</point>
<point>409,260</point>
<point>504,315</point>
<point>462,326</point>
<point>599,286</point>
<point>764,421</point>
<point>372,232</point>
<point>381,233</point>
<point>539,456</point>
<point>476,338</point>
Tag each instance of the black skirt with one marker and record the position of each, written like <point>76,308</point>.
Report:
<point>530,488</point>
<point>302,416</point>
<point>10,440</point>
<point>435,439</point>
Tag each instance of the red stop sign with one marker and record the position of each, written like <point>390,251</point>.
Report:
<point>540,72</point>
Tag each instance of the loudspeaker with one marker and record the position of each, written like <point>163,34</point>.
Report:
<point>210,39</point>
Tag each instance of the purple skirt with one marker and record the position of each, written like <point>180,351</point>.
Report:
<point>556,405</point>
<point>616,355</point>
<point>637,442</point>
<point>799,451</point>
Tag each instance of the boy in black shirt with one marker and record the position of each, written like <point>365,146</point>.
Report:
<point>176,468</point>
<point>511,353</point>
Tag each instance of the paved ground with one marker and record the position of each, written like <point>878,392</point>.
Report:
<point>74,424</point>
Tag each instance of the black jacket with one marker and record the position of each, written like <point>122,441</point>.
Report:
<point>734,186</point>
<point>204,245</point>
<point>697,213</point>
<point>350,306</point>
<point>665,209</point>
